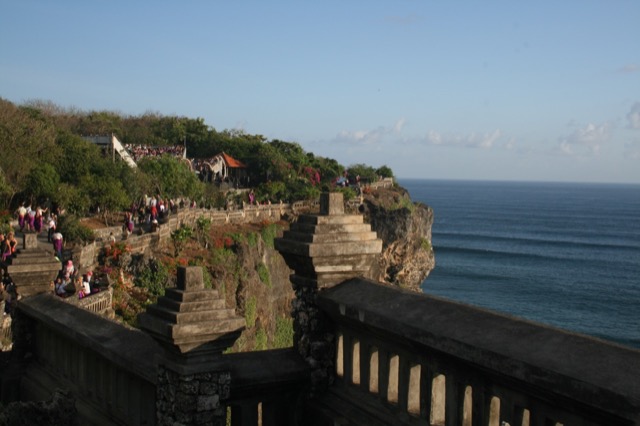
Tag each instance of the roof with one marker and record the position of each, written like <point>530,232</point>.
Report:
<point>232,162</point>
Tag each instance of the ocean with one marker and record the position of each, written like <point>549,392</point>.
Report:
<point>563,254</point>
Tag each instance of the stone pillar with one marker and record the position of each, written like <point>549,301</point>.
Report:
<point>194,327</point>
<point>324,250</point>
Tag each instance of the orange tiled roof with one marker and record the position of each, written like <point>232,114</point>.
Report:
<point>232,162</point>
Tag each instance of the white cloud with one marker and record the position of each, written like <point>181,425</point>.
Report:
<point>586,140</point>
<point>634,116</point>
<point>471,140</point>
<point>370,137</point>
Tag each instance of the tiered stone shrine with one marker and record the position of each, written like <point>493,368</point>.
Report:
<point>194,327</point>
<point>324,250</point>
<point>190,321</point>
<point>33,268</point>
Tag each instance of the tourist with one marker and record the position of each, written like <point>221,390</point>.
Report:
<point>5,249</point>
<point>59,287</point>
<point>58,243</point>
<point>31,219</point>
<point>85,288</point>
<point>13,243</point>
<point>51,226</point>
<point>79,285</point>
<point>69,271</point>
<point>22,213</point>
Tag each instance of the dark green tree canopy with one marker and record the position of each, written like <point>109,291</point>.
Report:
<point>44,156</point>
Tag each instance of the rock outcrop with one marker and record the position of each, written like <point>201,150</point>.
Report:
<point>404,226</point>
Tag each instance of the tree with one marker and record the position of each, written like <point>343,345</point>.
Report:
<point>366,173</point>
<point>26,140</point>
<point>106,194</point>
<point>172,178</point>
<point>42,182</point>
<point>384,171</point>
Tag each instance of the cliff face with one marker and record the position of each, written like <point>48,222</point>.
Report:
<point>405,228</point>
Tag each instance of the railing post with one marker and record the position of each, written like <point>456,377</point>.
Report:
<point>324,250</point>
<point>193,382</point>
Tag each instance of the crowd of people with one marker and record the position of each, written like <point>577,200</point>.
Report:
<point>70,282</point>
<point>138,152</point>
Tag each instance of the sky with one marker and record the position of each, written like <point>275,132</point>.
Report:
<point>488,90</point>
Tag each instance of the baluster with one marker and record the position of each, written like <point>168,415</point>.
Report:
<point>414,396</point>
<point>348,358</point>
<point>355,362</point>
<point>365,364</point>
<point>438,399</point>
<point>374,370</point>
<point>403,383</point>
<point>454,400</point>
<point>393,383</point>
<point>383,376</point>
<point>426,390</point>
<point>340,356</point>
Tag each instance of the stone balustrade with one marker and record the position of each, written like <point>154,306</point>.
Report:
<point>404,358</point>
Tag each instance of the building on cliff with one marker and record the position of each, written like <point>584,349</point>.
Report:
<point>363,353</point>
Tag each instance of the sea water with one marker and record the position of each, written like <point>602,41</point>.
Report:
<point>562,254</point>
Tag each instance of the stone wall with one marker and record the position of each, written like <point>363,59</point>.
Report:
<point>87,255</point>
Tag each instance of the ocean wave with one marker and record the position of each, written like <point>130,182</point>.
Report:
<point>546,240</point>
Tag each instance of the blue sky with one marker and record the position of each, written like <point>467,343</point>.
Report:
<point>505,90</point>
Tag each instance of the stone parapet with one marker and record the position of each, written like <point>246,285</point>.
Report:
<point>323,250</point>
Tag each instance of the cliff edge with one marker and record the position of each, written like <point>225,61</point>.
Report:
<point>404,226</point>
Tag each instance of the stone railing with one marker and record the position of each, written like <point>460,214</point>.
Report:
<point>110,369</point>
<point>98,303</point>
<point>404,358</point>
<point>113,371</point>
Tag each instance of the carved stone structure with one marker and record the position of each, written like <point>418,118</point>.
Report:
<point>33,268</point>
<point>324,250</point>
<point>193,326</point>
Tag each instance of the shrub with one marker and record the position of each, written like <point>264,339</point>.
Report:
<point>283,337</point>
<point>180,237</point>
<point>252,239</point>
<point>269,233</point>
<point>153,277</point>
<point>261,340</point>
<point>263,273</point>
<point>250,311</point>
<point>73,231</point>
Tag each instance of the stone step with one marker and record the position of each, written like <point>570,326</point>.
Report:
<point>330,228</point>
<point>31,268</point>
<point>345,219</point>
<point>332,251</point>
<point>190,317</point>
<point>330,238</point>
<point>191,296</point>
<point>177,306</point>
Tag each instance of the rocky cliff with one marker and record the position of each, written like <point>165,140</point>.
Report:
<point>405,228</point>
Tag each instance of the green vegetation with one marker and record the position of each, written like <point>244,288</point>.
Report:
<point>263,273</point>
<point>425,244</point>
<point>284,333</point>
<point>250,311</point>
<point>180,237</point>
<point>46,161</point>
<point>269,234</point>
<point>153,277</point>
<point>261,340</point>
<point>72,230</point>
